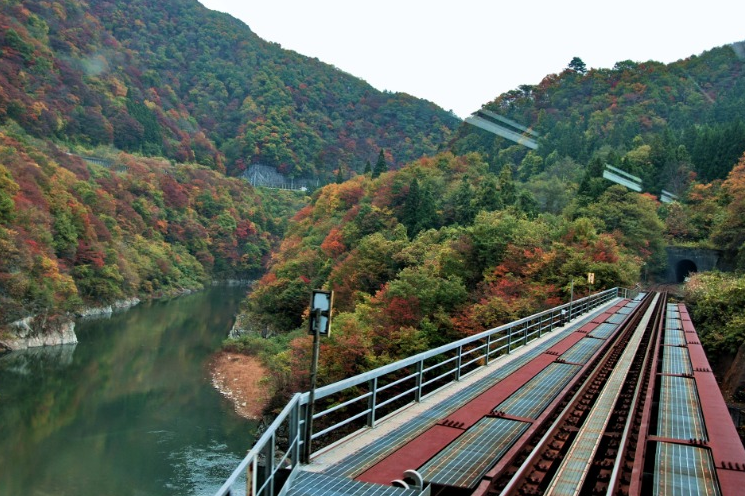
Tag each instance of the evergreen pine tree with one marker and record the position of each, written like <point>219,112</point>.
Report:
<point>487,195</point>
<point>420,209</point>
<point>463,207</point>
<point>507,190</point>
<point>427,217</point>
<point>380,165</point>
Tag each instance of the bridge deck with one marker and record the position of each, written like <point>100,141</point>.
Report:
<point>380,456</point>
<point>470,430</point>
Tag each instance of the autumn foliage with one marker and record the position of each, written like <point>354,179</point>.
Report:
<point>73,233</point>
<point>398,292</point>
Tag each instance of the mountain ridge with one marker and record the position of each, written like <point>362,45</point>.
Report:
<point>179,80</point>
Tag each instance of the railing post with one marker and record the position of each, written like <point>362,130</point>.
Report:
<point>250,483</point>
<point>371,400</point>
<point>509,340</point>
<point>295,435</point>
<point>269,466</point>
<point>458,362</point>
<point>419,380</point>
<point>305,436</point>
<point>488,349</point>
<point>540,326</point>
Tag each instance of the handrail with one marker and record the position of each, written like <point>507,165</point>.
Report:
<point>266,442</point>
<point>412,360</point>
<point>515,334</point>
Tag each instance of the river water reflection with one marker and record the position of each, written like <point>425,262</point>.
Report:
<point>129,410</point>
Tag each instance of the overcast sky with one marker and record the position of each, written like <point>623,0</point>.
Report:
<point>462,54</point>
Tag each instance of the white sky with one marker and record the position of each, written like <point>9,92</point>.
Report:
<point>462,54</point>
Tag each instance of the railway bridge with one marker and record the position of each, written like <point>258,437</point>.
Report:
<point>611,394</point>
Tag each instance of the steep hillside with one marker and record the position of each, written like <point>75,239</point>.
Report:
<point>432,252</point>
<point>75,233</point>
<point>491,231</point>
<point>660,122</point>
<point>199,94</point>
<point>174,79</point>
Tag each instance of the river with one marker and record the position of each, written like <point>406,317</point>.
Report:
<point>129,410</point>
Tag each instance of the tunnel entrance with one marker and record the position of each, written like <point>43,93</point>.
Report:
<point>684,269</point>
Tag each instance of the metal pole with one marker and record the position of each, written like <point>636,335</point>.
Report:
<point>312,395</point>
<point>571,300</point>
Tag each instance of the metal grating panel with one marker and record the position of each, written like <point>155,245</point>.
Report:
<point>531,399</point>
<point>315,484</point>
<point>672,311</point>
<point>385,445</point>
<point>616,318</point>
<point>683,469</point>
<point>464,461</point>
<point>674,337</point>
<point>676,360</point>
<point>604,330</point>
<point>672,320</point>
<point>680,415</point>
<point>582,350</point>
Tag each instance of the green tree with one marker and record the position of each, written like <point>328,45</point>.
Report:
<point>8,189</point>
<point>507,189</point>
<point>462,203</point>
<point>380,165</point>
<point>633,217</point>
<point>419,211</point>
<point>592,185</point>
<point>577,65</point>
<point>487,195</point>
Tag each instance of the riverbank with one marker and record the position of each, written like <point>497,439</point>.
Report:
<point>242,379</point>
<point>54,330</point>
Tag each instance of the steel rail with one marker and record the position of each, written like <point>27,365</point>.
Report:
<point>537,467</point>
<point>637,421</point>
<point>586,454</point>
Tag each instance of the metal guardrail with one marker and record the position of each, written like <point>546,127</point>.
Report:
<point>367,398</point>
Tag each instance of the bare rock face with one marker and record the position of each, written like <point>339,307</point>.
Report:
<point>37,331</point>
<point>107,310</point>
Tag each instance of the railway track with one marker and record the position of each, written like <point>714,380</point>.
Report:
<point>590,441</point>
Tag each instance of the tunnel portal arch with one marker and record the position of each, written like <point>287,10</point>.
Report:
<point>684,261</point>
<point>684,268</point>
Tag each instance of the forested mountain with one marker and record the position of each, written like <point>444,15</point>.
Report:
<point>659,122</point>
<point>449,233</point>
<point>492,231</point>
<point>166,96</point>
<point>438,250</point>
<point>175,79</point>
<point>74,233</point>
